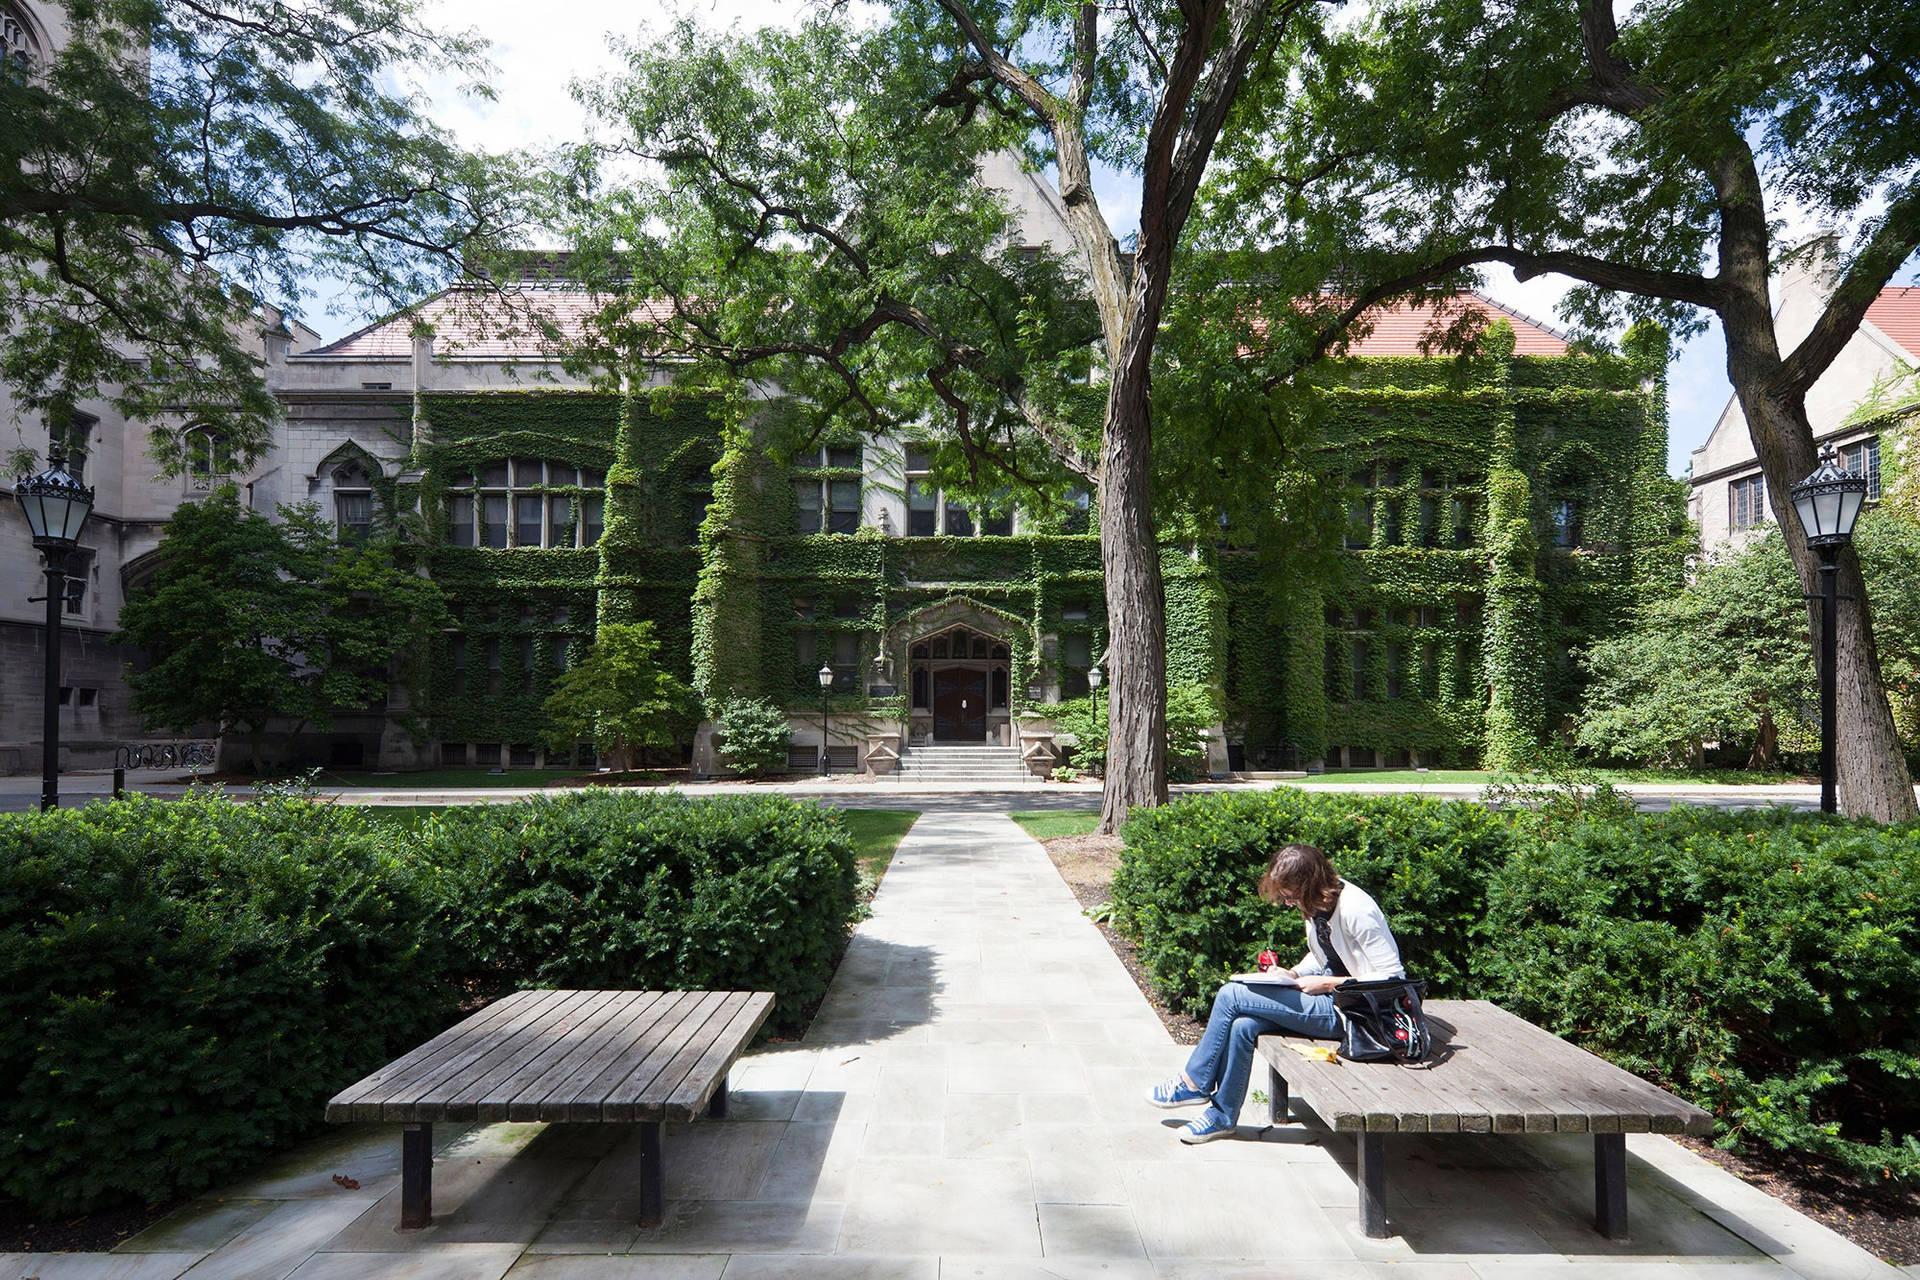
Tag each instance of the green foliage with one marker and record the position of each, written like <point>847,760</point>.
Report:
<point>1185,888</point>
<point>250,620</point>
<point>1724,660</point>
<point>1192,709</point>
<point>183,984</point>
<point>1758,963</point>
<point>259,146</point>
<point>754,735</point>
<point>649,890</point>
<point>618,696</point>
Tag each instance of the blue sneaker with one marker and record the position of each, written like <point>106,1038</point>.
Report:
<point>1175,1093</point>
<point>1205,1129</point>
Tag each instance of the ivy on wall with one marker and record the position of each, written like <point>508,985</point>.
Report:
<point>1505,511</point>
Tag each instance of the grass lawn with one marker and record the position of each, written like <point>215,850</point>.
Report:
<point>433,779</point>
<point>875,833</point>
<point>1480,777</point>
<point>1048,825</point>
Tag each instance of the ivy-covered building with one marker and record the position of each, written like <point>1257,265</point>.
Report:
<point>1507,510</point>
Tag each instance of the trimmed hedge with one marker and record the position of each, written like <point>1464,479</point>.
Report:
<point>1185,888</point>
<point>1763,964</point>
<point>183,985</point>
<point>649,890</point>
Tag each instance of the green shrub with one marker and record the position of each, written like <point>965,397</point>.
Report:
<point>1762,964</point>
<point>1185,887</point>
<point>183,985</point>
<point>649,891</point>
<point>753,735</point>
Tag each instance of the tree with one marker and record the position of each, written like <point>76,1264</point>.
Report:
<point>618,695</point>
<point>247,621</point>
<point>1653,163</point>
<point>753,735</point>
<point>1723,660</point>
<point>174,159</point>
<point>812,222</point>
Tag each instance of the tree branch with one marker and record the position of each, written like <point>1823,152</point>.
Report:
<point>1895,241</point>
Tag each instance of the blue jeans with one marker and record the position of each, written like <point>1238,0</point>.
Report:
<point>1223,1059</point>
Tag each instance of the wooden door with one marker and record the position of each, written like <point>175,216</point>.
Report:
<point>959,705</point>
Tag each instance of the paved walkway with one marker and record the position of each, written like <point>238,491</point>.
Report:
<point>968,1104</point>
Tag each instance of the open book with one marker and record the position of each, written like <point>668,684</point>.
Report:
<point>1269,978</point>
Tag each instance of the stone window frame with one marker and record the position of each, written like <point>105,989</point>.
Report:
<point>514,482</point>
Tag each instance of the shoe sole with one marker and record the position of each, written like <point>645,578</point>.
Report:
<point>1171,1106</point>
<point>1193,1139</point>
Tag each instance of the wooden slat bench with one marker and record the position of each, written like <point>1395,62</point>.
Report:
<point>1492,1073</point>
<point>563,1057</point>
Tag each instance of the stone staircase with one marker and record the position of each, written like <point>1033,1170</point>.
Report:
<point>980,768</point>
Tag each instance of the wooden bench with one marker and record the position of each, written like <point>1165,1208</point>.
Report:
<point>563,1057</point>
<point>1492,1073</point>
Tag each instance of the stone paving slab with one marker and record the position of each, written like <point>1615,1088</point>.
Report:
<point>968,1103</point>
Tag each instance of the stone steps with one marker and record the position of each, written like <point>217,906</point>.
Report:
<point>985,766</point>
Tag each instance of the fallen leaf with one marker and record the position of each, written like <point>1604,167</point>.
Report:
<point>346,1183</point>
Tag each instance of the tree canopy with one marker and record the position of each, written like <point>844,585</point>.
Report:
<point>1652,158</point>
<point>170,162</point>
<point>619,697</point>
<point>249,620</point>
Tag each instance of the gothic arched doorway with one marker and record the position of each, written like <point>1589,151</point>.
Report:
<point>958,684</point>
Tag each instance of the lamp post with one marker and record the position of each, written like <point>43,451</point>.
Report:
<point>1094,677</point>
<point>1828,502</point>
<point>826,683</point>
<point>57,507</point>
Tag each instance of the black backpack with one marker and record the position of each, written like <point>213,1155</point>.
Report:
<point>1382,1020</point>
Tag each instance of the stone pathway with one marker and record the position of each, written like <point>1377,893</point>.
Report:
<point>968,1104</point>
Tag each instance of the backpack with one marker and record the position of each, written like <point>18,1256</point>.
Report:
<point>1382,1020</point>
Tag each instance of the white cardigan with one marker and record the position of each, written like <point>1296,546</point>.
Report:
<point>1361,936</point>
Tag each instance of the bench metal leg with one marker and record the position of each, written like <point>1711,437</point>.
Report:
<point>1373,1185</point>
<point>416,1176</point>
<point>1276,1097</point>
<point>1610,1184</point>
<point>717,1108</point>
<point>653,1182</point>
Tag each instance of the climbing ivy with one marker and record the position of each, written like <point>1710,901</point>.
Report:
<point>1502,512</point>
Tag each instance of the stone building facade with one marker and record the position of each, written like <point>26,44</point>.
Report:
<point>1729,502</point>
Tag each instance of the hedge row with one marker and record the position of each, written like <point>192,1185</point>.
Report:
<point>1763,964</point>
<point>183,985</point>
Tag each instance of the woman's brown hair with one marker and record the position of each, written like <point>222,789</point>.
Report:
<point>1302,873</point>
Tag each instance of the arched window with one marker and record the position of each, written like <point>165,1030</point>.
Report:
<point>353,500</point>
<point>209,460</point>
<point>18,48</point>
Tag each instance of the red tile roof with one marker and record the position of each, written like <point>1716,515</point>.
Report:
<point>1399,328</point>
<point>486,325</point>
<point>495,326</point>
<point>1896,313</point>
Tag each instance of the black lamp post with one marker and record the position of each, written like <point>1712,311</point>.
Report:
<point>826,684</point>
<point>1094,678</point>
<point>1828,502</point>
<point>57,507</point>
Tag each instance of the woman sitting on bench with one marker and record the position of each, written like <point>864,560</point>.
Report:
<point>1347,937</point>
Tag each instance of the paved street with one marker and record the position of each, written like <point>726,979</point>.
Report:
<point>968,1104</point>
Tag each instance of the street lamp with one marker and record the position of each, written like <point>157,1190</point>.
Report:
<point>57,507</point>
<point>1828,502</point>
<point>1093,684</point>
<point>826,683</point>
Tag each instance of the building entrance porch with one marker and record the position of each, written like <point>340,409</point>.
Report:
<point>958,683</point>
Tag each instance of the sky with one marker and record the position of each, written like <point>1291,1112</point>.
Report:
<point>539,50</point>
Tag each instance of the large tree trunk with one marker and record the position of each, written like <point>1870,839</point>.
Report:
<point>1869,763</point>
<point>1136,658</point>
